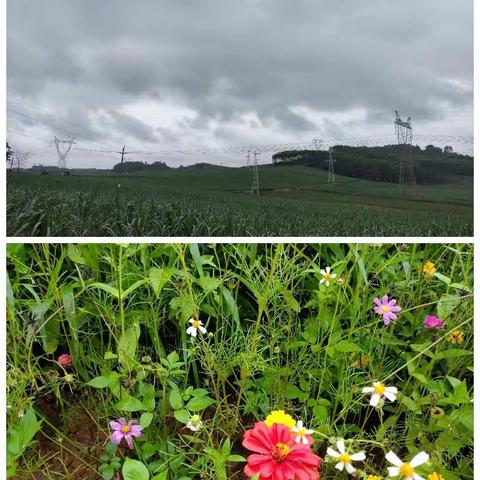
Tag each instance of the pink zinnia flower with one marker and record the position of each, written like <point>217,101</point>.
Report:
<point>65,360</point>
<point>433,322</point>
<point>278,456</point>
<point>122,429</point>
<point>386,308</point>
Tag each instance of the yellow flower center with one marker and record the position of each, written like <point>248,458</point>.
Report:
<point>344,458</point>
<point>280,451</point>
<point>435,476</point>
<point>385,309</point>
<point>301,432</point>
<point>406,470</point>
<point>196,323</point>
<point>279,416</point>
<point>379,389</point>
<point>125,429</point>
<point>327,277</point>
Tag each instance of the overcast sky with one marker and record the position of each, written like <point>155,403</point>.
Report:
<point>187,74</point>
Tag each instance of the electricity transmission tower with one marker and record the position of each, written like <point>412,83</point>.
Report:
<point>331,169</point>
<point>317,143</point>
<point>255,188</point>
<point>123,153</point>
<point>248,158</point>
<point>404,133</point>
<point>63,147</point>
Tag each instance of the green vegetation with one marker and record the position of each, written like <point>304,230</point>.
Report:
<point>432,165</point>
<point>97,332</point>
<point>215,201</point>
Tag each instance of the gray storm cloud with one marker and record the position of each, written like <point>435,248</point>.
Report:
<point>230,70</point>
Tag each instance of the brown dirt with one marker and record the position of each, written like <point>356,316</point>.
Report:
<point>74,458</point>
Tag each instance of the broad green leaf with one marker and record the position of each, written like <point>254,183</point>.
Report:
<point>146,419</point>
<point>134,470</point>
<point>197,404</point>
<point>182,416</point>
<point>73,253</point>
<point>175,399</point>
<point>127,347</point>
<point>158,278</point>
<point>99,382</point>
<point>453,353</point>
<point>106,288</point>
<point>133,287</point>
<point>130,404</point>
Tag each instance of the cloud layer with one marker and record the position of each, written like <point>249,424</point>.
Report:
<point>166,75</point>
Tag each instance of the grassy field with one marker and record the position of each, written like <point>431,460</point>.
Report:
<point>102,332</point>
<point>215,201</point>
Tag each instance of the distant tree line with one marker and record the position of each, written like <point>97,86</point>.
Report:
<point>432,164</point>
<point>127,167</point>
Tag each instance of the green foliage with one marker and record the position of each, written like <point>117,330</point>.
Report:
<point>276,338</point>
<point>214,201</point>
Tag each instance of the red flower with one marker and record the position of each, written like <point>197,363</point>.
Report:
<point>65,360</point>
<point>278,456</point>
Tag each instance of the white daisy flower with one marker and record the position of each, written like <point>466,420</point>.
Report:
<point>379,392</point>
<point>406,470</point>
<point>195,423</point>
<point>343,459</point>
<point>327,276</point>
<point>301,432</point>
<point>195,325</point>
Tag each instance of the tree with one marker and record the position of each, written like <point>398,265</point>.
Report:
<point>448,150</point>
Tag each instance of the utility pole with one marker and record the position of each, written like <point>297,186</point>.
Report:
<point>123,153</point>
<point>255,188</point>
<point>404,133</point>
<point>63,148</point>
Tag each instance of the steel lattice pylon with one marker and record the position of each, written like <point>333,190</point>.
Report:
<point>255,188</point>
<point>331,169</point>
<point>62,154</point>
<point>404,133</point>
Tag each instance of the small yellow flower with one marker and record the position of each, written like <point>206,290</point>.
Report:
<point>435,476</point>
<point>456,337</point>
<point>374,477</point>
<point>428,269</point>
<point>69,378</point>
<point>279,416</point>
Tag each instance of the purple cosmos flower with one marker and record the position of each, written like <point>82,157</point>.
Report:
<point>122,429</point>
<point>433,322</point>
<point>386,308</point>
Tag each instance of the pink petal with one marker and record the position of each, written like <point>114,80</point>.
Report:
<point>377,302</point>
<point>135,430</point>
<point>116,437</point>
<point>395,309</point>
<point>122,421</point>
<point>392,302</point>
<point>128,438</point>
<point>385,300</point>
<point>115,425</point>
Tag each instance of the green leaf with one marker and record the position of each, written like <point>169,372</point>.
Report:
<point>453,353</point>
<point>106,288</point>
<point>133,287</point>
<point>175,399</point>
<point>73,253</point>
<point>158,278</point>
<point>182,416</point>
<point>197,404</point>
<point>236,458</point>
<point>130,404</point>
<point>347,347</point>
<point>110,356</point>
<point>99,382</point>
<point>134,470</point>
<point>127,346</point>
<point>146,419</point>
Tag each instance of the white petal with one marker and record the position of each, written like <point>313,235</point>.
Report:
<point>308,432</point>
<point>294,429</point>
<point>393,459</point>
<point>332,452</point>
<point>305,440</point>
<point>375,399</point>
<point>322,280</point>
<point>298,439</point>
<point>367,389</point>
<point>358,456</point>
<point>191,320</point>
<point>323,272</point>
<point>349,468</point>
<point>393,471</point>
<point>190,330</point>
<point>341,446</point>
<point>391,389</point>
<point>333,275</point>
<point>328,269</point>
<point>194,332</point>
<point>327,283</point>
<point>416,476</point>
<point>391,396</point>
<point>202,329</point>
<point>300,424</point>
<point>339,466</point>
<point>419,458</point>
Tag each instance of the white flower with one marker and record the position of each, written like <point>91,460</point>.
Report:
<point>301,432</point>
<point>379,392</point>
<point>406,470</point>
<point>196,325</point>
<point>327,276</point>
<point>344,460</point>
<point>195,423</point>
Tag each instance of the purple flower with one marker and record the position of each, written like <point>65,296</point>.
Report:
<point>433,322</point>
<point>122,429</point>
<point>386,308</point>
